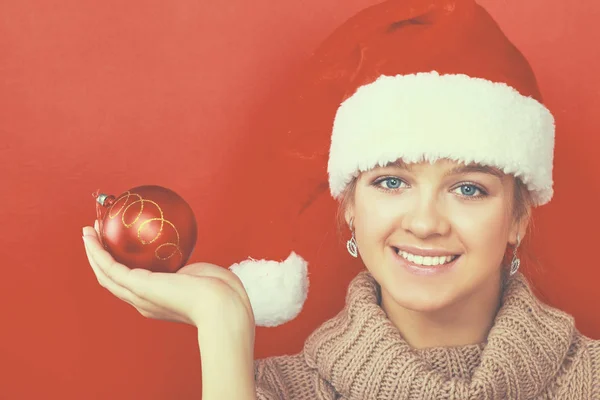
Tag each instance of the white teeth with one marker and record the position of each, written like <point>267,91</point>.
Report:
<point>426,260</point>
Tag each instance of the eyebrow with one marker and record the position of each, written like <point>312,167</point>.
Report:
<point>459,169</point>
<point>464,169</point>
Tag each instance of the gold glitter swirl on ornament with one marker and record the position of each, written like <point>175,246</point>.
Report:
<point>125,207</point>
<point>125,196</point>
<point>162,221</point>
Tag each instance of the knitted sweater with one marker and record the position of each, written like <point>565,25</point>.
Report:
<point>533,351</point>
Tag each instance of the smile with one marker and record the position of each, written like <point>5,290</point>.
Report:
<point>429,262</point>
<point>426,260</point>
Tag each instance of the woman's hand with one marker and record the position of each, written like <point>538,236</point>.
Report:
<point>204,295</point>
<point>200,294</point>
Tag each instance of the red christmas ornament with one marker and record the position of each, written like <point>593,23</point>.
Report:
<point>148,227</point>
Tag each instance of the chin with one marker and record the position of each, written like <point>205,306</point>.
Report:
<point>425,294</point>
<point>419,298</point>
<point>428,290</point>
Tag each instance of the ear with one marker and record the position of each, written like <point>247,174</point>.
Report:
<point>348,214</point>
<point>519,227</point>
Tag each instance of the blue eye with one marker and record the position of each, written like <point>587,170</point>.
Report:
<point>390,183</point>
<point>469,190</point>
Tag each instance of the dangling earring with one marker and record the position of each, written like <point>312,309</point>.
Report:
<point>351,244</point>
<point>515,263</point>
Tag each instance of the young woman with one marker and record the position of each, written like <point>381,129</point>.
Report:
<point>440,148</point>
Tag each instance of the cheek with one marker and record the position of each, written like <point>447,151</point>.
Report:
<point>375,217</point>
<point>482,229</point>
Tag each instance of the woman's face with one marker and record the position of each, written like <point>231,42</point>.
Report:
<point>433,234</point>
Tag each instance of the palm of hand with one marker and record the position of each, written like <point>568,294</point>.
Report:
<point>198,294</point>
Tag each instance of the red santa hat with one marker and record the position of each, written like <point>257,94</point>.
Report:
<point>405,79</point>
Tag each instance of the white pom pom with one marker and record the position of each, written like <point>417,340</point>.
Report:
<point>277,290</point>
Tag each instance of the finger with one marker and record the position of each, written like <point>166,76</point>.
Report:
<point>104,261</point>
<point>92,233</point>
<point>136,280</point>
<point>144,307</point>
<point>121,282</point>
<point>171,291</point>
<point>97,230</point>
<point>89,231</point>
<point>119,291</point>
<point>115,288</point>
<point>177,294</point>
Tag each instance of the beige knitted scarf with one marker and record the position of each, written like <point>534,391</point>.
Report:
<point>532,351</point>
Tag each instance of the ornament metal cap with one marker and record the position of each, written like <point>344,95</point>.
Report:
<point>104,200</point>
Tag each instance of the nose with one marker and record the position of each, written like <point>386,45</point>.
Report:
<point>425,216</point>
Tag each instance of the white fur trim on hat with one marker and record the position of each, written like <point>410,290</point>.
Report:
<point>277,290</point>
<point>428,116</point>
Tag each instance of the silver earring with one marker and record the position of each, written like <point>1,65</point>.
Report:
<point>351,244</point>
<point>515,263</point>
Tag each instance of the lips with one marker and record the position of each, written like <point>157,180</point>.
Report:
<point>428,262</point>
<point>430,259</point>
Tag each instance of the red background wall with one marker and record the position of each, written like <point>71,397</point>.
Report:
<point>108,95</point>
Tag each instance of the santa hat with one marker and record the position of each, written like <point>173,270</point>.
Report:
<point>413,80</point>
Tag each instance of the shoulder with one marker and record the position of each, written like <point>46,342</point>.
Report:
<point>592,348</point>
<point>279,365</point>
<point>289,377</point>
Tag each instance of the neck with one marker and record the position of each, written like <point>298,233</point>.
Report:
<point>465,322</point>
